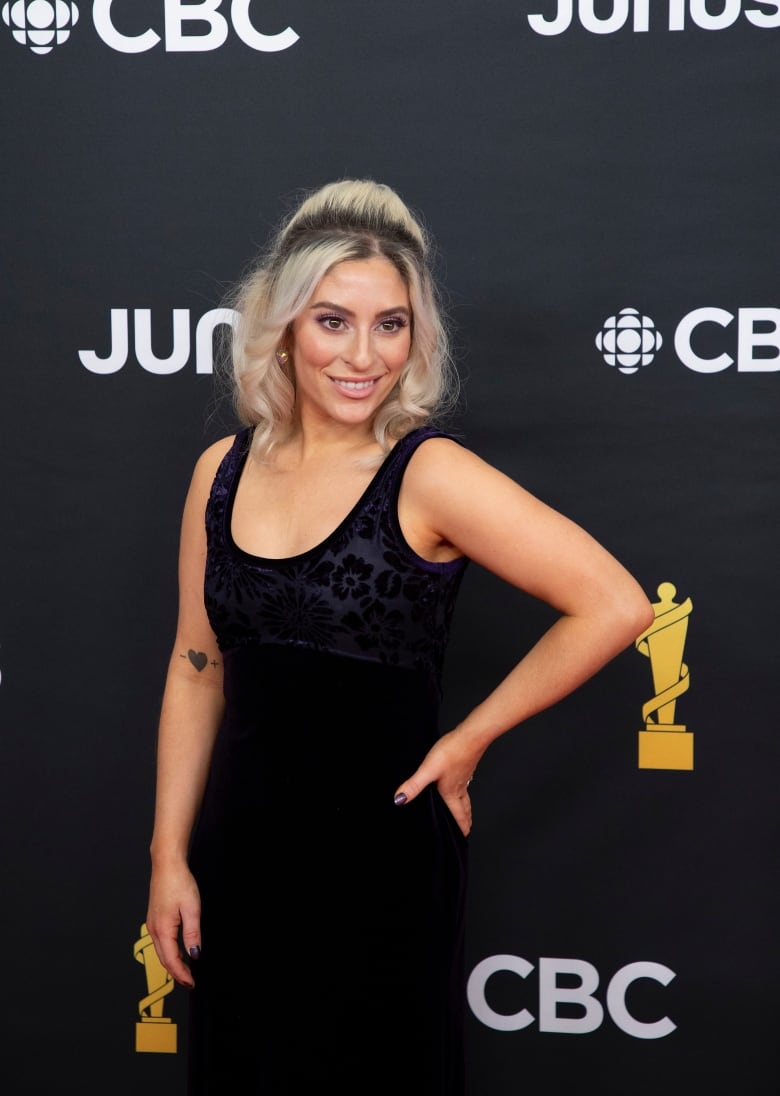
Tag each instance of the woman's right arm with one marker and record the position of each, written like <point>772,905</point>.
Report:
<point>191,712</point>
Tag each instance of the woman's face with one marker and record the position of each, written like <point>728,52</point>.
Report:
<point>351,342</point>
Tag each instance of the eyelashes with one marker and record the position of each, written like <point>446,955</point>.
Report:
<point>331,321</point>
<point>397,323</point>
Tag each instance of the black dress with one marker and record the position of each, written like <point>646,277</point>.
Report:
<point>332,920</point>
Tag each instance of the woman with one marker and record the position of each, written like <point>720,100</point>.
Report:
<point>309,852</point>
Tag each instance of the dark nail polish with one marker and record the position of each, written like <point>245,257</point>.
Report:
<point>399,799</point>
<point>194,952</point>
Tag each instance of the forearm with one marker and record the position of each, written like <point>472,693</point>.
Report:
<point>568,654</point>
<point>189,719</point>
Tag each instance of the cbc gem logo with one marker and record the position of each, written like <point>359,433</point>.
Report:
<point>40,25</point>
<point>628,340</point>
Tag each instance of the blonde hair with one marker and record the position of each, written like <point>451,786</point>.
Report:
<point>346,220</point>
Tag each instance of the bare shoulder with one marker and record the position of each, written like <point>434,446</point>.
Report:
<point>452,500</point>
<point>475,507</point>
<point>209,460</point>
<point>434,455</point>
<point>211,457</point>
<point>442,464</point>
<point>459,499</point>
<point>206,468</point>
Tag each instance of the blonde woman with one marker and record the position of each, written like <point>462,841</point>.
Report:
<point>310,844</point>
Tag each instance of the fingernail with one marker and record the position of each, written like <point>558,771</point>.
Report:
<point>399,799</point>
<point>194,952</point>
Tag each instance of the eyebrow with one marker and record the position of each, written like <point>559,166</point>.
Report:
<point>348,312</point>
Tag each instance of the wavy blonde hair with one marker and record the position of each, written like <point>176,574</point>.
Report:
<point>346,220</point>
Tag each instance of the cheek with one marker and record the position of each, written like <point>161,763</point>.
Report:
<point>312,351</point>
<point>402,352</point>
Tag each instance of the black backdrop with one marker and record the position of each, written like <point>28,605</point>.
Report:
<point>567,177</point>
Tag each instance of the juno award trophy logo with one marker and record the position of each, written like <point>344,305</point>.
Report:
<point>663,743</point>
<point>154,1032</point>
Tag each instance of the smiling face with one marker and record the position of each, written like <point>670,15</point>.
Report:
<point>351,342</point>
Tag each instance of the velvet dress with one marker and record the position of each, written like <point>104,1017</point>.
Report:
<point>332,920</point>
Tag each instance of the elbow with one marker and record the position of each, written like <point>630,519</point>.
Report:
<point>638,615</point>
<point>627,614</point>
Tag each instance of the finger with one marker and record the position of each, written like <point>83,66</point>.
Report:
<point>192,943</point>
<point>179,971</point>
<point>182,974</point>
<point>410,789</point>
<point>460,809</point>
<point>190,931</point>
<point>170,956</point>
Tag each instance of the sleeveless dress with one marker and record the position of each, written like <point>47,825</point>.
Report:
<point>332,920</point>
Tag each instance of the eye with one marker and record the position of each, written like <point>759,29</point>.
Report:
<point>331,322</point>
<point>393,323</point>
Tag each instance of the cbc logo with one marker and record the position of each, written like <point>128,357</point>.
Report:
<point>629,340</point>
<point>551,995</point>
<point>42,24</point>
<point>726,14</point>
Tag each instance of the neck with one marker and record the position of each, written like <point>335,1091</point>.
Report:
<point>329,444</point>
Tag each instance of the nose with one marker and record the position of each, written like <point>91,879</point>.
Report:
<point>360,352</point>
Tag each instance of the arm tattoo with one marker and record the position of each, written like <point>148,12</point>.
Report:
<point>199,659</point>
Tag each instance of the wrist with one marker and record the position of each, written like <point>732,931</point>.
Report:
<point>167,855</point>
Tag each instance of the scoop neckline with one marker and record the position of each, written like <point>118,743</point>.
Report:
<point>277,561</point>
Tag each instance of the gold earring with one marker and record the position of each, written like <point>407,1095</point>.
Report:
<point>282,356</point>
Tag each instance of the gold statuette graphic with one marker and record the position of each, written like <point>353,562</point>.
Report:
<point>664,744</point>
<point>154,1033</point>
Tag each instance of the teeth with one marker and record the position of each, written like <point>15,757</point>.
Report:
<point>356,385</point>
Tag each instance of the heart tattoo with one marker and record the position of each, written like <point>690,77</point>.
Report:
<point>197,658</point>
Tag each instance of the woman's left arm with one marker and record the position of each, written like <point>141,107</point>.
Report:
<point>454,499</point>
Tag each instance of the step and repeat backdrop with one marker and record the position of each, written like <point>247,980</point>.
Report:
<point>601,179</point>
